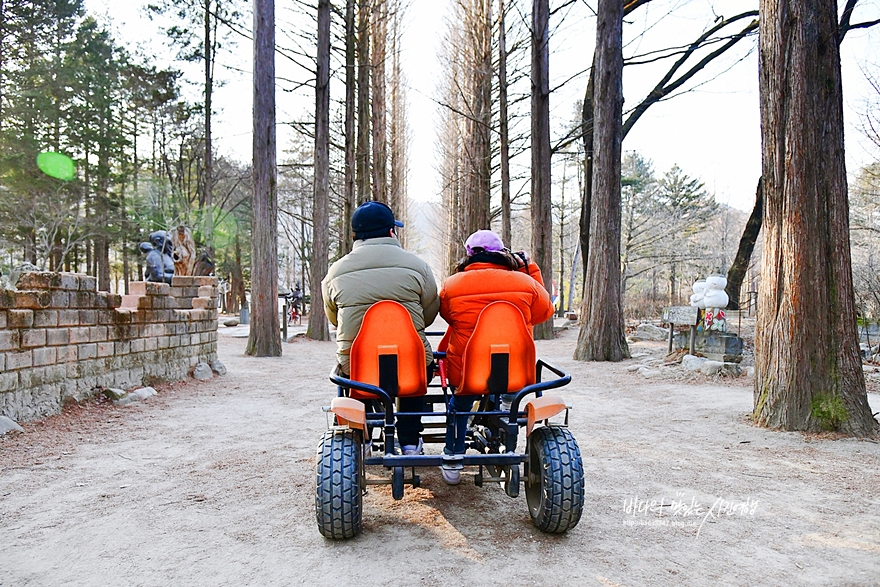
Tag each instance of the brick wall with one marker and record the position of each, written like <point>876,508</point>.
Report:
<point>60,338</point>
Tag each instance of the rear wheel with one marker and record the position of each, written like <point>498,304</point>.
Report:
<point>555,479</point>
<point>338,496</point>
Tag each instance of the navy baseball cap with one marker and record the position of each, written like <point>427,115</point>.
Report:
<point>371,216</point>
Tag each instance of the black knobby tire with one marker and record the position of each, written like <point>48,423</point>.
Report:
<point>338,496</point>
<point>555,480</point>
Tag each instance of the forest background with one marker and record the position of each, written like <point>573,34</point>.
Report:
<point>122,88</point>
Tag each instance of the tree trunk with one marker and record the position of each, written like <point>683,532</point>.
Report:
<point>503,125</point>
<point>264,339</point>
<point>398,148</point>
<point>808,374</point>
<point>363,103</point>
<point>209,155</point>
<point>737,271</point>
<point>602,336</point>
<point>380,151</point>
<point>542,225</point>
<point>587,200</point>
<point>349,202</point>
<point>318,327</point>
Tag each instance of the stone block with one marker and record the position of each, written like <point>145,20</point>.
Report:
<point>66,354</point>
<point>32,300</point>
<point>193,280</point>
<point>718,346</point>
<point>32,338</point>
<point>83,300</point>
<point>87,351</point>
<point>149,288</point>
<point>137,345</point>
<point>88,283</point>
<point>121,347</point>
<point>109,300</point>
<point>9,340</point>
<point>57,336</point>
<point>7,298</point>
<point>2,318</point>
<point>207,291</point>
<point>98,333</point>
<point>163,342</point>
<point>106,349</point>
<point>79,335</point>
<point>45,318</point>
<point>20,319</point>
<point>88,317</point>
<point>41,280</point>
<point>19,360</point>
<point>203,303</point>
<point>44,356</point>
<point>68,317</point>
<point>59,299</point>
<point>8,381</point>
<point>184,303</point>
<point>151,344</point>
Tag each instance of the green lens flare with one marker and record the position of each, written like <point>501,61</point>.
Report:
<point>56,165</point>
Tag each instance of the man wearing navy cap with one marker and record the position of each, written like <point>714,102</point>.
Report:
<point>376,269</point>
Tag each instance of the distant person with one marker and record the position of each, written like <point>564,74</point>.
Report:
<point>489,273</point>
<point>379,269</point>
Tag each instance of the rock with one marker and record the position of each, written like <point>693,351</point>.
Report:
<point>144,393</point>
<point>711,367</point>
<point>218,367</point>
<point>231,322</point>
<point>731,370</point>
<point>692,363</point>
<point>115,394</point>
<point>9,425</point>
<point>202,372</point>
<point>648,373</point>
<point>649,332</point>
<point>750,371</point>
<point>636,367</point>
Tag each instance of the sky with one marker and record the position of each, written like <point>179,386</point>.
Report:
<point>711,132</point>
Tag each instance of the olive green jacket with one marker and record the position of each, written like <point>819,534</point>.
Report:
<point>377,269</point>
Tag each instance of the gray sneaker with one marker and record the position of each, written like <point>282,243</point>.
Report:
<point>451,476</point>
<point>413,449</point>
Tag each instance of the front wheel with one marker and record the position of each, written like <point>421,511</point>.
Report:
<point>338,495</point>
<point>555,479</point>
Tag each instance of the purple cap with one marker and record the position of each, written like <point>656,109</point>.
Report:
<point>485,240</point>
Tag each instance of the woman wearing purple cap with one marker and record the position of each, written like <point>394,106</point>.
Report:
<point>489,273</point>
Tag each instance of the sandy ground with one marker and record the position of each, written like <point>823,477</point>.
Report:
<point>212,484</point>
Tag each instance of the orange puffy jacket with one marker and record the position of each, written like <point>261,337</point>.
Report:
<point>465,294</point>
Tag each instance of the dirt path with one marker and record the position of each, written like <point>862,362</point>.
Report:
<point>213,484</point>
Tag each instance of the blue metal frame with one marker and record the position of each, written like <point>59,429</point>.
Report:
<point>510,420</point>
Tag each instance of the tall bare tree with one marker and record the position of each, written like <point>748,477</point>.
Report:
<point>398,139</point>
<point>602,336</point>
<point>264,339</point>
<point>808,374</point>
<point>350,199</point>
<point>318,327</point>
<point>378,38</point>
<point>362,175</point>
<point>503,124</point>
<point>542,225</point>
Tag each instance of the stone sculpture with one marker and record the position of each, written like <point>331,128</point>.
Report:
<point>160,266</point>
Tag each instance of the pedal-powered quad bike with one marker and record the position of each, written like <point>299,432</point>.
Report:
<point>388,362</point>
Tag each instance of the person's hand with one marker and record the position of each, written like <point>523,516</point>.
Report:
<point>522,259</point>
